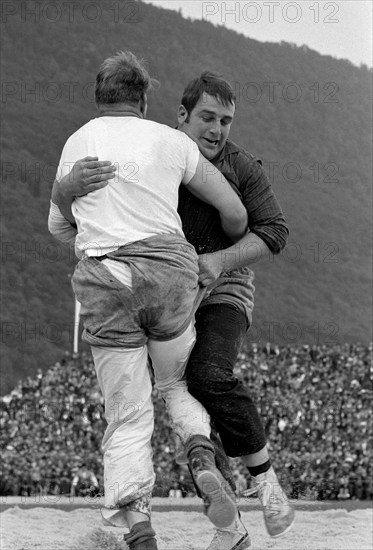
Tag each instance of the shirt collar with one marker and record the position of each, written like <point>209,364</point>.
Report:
<point>229,148</point>
<point>128,111</point>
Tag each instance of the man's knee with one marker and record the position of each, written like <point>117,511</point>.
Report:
<point>220,329</point>
<point>209,379</point>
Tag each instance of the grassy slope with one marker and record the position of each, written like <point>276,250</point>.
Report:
<point>310,284</point>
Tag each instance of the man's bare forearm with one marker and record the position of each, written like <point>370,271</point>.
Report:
<point>244,252</point>
<point>59,227</point>
<point>248,250</point>
<point>62,200</point>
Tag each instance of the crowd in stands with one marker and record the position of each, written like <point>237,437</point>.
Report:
<point>315,404</point>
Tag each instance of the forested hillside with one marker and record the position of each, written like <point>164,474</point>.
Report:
<point>307,116</point>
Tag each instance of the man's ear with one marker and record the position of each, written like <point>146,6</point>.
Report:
<point>182,114</point>
<point>144,105</point>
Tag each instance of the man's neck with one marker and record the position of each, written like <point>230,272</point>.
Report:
<point>120,109</point>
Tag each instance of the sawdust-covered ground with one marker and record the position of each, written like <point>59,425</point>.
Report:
<point>81,529</point>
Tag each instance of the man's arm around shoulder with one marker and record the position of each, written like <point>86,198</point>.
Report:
<point>266,218</point>
<point>209,185</point>
<point>88,174</point>
<point>268,231</point>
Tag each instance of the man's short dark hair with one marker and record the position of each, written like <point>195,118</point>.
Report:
<point>212,84</point>
<point>122,79</point>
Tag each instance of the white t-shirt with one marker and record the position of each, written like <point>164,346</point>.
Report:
<point>141,200</point>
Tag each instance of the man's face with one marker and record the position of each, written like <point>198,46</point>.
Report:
<point>208,125</point>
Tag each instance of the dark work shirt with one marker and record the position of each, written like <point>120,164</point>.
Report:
<point>201,222</point>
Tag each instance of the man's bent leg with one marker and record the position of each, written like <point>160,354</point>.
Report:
<point>128,470</point>
<point>188,417</point>
<point>191,423</point>
<point>220,331</point>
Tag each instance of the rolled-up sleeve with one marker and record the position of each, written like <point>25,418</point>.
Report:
<point>265,215</point>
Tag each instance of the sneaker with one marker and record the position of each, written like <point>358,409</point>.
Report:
<point>214,489</point>
<point>234,537</point>
<point>222,508</point>
<point>278,513</point>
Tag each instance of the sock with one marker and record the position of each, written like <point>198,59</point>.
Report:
<point>140,532</point>
<point>197,441</point>
<point>256,470</point>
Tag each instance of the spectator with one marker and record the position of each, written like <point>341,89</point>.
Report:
<point>318,417</point>
<point>175,491</point>
<point>84,482</point>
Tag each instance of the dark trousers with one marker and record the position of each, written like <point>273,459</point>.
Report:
<point>220,332</point>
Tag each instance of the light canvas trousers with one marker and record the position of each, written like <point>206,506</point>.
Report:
<point>137,302</point>
<point>125,383</point>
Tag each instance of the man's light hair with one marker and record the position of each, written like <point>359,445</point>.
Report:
<point>122,79</point>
